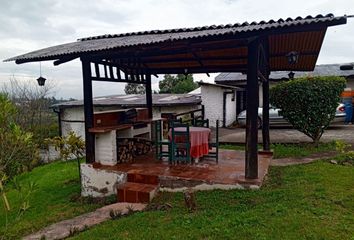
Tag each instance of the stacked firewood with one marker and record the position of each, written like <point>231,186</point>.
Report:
<point>142,146</point>
<point>124,150</point>
<point>128,148</point>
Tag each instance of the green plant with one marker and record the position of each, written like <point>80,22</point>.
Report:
<point>50,203</point>
<point>33,107</point>
<point>291,150</point>
<point>345,154</point>
<point>134,88</point>
<point>115,214</point>
<point>342,146</point>
<point>19,152</point>
<point>5,200</point>
<point>70,146</point>
<point>23,197</point>
<point>309,103</point>
<point>179,83</point>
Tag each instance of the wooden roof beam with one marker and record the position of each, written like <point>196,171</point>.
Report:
<point>199,61</point>
<point>64,60</point>
<point>153,52</point>
<point>210,69</point>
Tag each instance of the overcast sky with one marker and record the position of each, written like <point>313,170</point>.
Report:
<point>28,25</point>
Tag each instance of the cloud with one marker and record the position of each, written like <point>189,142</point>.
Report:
<point>31,25</point>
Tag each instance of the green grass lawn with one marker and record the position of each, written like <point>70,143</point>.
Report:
<point>313,201</point>
<point>291,150</point>
<point>57,184</point>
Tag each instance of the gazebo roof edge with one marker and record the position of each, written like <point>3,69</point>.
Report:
<point>211,27</point>
<point>69,51</point>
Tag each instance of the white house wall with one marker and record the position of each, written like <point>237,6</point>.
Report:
<point>72,119</point>
<point>230,109</point>
<point>212,99</point>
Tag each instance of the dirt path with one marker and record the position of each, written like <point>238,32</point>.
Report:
<point>69,227</point>
<point>295,161</point>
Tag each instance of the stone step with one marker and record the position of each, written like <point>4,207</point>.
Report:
<point>136,192</point>
<point>143,178</point>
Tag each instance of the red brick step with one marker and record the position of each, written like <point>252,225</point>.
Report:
<point>143,178</point>
<point>136,192</point>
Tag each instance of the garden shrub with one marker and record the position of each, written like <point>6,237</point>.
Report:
<point>18,152</point>
<point>309,103</point>
<point>70,146</point>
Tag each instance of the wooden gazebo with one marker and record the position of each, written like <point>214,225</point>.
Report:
<point>252,48</point>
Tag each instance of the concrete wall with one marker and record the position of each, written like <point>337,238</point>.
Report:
<point>98,182</point>
<point>212,99</point>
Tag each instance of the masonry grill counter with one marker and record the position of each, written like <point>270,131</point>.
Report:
<point>122,134</point>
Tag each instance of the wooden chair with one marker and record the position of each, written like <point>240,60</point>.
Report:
<point>200,123</point>
<point>180,144</point>
<point>215,144</point>
<point>161,142</point>
<point>171,122</point>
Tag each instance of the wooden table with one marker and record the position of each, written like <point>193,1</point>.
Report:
<point>199,138</point>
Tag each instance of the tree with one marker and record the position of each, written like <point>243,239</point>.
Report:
<point>177,84</point>
<point>18,152</point>
<point>33,107</point>
<point>309,103</point>
<point>133,88</point>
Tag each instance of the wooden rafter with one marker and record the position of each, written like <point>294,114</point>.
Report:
<point>112,73</point>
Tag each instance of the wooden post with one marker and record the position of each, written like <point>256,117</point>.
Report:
<point>265,88</point>
<point>149,94</point>
<point>251,164</point>
<point>88,110</point>
<point>203,112</point>
<point>224,110</point>
<point>265,122</point>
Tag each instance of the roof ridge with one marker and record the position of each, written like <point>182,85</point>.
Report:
<point>211,27</point>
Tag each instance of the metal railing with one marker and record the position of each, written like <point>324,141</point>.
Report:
<point>188,116</point>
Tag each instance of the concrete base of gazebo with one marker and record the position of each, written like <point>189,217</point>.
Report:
<point>229,173</point>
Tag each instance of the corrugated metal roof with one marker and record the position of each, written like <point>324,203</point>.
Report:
<point>118,41</point>
<point>241,27</point>
<point>138,100</point>
<point>217,85</point>
<point>320,70</point>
